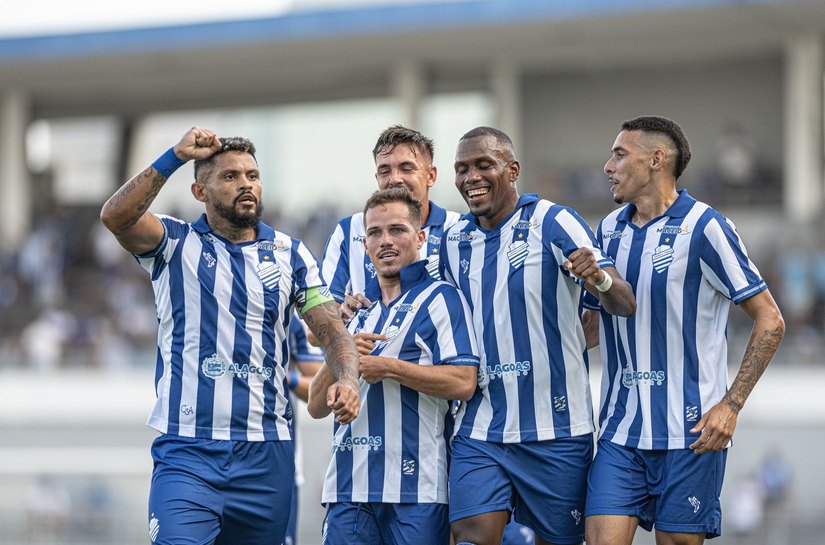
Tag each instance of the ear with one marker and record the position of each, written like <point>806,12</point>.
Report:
<point>513,170</point>
<point>658,159</point>
<point>421,238</point>
<point>199,191</point>
<point>431,175</point>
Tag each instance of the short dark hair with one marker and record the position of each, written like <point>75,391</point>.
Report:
<point>395,194</point>
<point>668,128</point>
<point>398,134</point>
<point>498,134</point>
<point>228,143</point>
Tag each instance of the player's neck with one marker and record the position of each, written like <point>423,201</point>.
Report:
<point>653,205</point>
<point>425,212</point>
<point>390,288</point>
<point>230,232</point>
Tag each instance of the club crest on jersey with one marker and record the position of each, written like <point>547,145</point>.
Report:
<point>269,273</point>
<point>517,253</point>
<point>432,266</point>
<point>662,257</point>
<point>390,333</point>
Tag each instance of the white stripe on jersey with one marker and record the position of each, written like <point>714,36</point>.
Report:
<point>684,269</point>
<point>396,450</point>
<point>533,390</point>
<point>346,268</point>
<point>201,391</point>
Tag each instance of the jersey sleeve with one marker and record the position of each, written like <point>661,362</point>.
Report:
<point>568,232</point>
<point>725,262</point>
<point>155,261</point>
<point>448,332</point>
<point>335,265</point>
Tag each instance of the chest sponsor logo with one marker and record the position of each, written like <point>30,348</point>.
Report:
<point>269,273</point>
<point>433,240</point>
<point>525,224</point>
<point>517,253</point>
<point>215,367</point>
<point>358,238</point>
<point>674,230</point>
<point>461,237</point>
<point>271,245</point>
<point>633,378</point>
<point>662,257</point>
<point>357,442</point>
<point>500,370</point>
<point>607,235</point>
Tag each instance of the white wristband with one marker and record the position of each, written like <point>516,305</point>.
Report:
<point>606,283</point>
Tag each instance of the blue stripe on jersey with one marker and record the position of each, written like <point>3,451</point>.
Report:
<point>375,457</point>
<point>176,283</point>
<point>521,334</point>
<point>410,419</point>
<point>241,350</point>
<point>209,326</point>
<point>634,262</point>
<point>658,333</point>
<point>270,345</point>
<point>489,274</point>
<point>550,273</point>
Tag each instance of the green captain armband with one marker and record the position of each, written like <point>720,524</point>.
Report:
<point>312,297</point>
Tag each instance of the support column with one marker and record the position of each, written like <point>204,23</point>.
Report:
<point>15,205</point>
<point>803,165</point>
<point>409,87</point>
<point>505,86</point>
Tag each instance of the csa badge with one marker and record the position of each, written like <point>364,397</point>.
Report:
<point>662,257</point>
<point>269,273</point>
<point>517,253</point>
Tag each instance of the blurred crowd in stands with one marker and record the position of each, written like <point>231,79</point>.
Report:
<point>71,297</point>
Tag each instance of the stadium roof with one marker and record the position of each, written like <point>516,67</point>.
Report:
<point>335,53</point>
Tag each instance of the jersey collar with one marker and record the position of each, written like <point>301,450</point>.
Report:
<point>679,209</point>
<point>264,231</point>
<point>411,275</point>
<point>437,216</point>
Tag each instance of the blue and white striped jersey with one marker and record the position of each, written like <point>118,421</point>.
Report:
<point>525,307</point>
<point>223,318</point>
<point>396,450</point>
<point>347,268</point>
<point>667,364</point>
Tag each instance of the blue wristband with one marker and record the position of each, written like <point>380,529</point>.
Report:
<point>292,380</point>
<point>168,163</point>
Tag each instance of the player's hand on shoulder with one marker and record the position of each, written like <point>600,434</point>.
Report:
<point>352,304</point>
<point>197,143</point>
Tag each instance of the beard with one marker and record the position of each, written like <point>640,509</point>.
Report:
<point>237,219</point>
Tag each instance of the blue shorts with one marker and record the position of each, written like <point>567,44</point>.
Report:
<point>377,523</point>
<point>224,492</point>
<point>675,490</point>
<point>542,482</point>
<point>292,526</point>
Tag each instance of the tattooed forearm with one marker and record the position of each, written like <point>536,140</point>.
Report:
<point>761,348</point>
<point>133,199</point>
<point>340,352</point>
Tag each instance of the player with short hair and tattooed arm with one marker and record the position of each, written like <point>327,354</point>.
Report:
<point>387,480</point>
<point>225,287</point>
<point>667,416</point>
<point>403,158</point>
<point>524,440</point>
